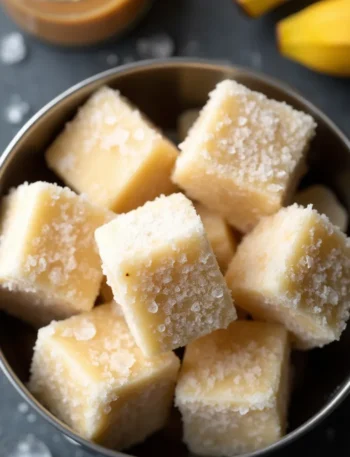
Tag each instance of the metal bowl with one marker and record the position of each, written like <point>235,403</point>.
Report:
<point>163,90</point>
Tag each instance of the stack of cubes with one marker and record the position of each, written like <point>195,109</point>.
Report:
<point>109,371</point>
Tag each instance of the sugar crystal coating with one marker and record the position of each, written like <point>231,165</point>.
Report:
<point>220,235</point>
<point>233,389</point>
<point>294,268</point>
<point>110,152</point>
<point>248,150</point>
<point>164,274</point>
<point>89,372</point>
<point>30,446</point>
<point>49,264</point>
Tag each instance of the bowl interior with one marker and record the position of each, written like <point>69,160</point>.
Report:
<point>163,91</point>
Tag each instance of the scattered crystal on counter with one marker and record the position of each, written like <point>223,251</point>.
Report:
<point>128,59</point>
<point>56,438</point>
<point>158,46</point>
<point>16,111</point>
<point>256,59</point>
<point>31,418</point>
<point>30,446</point>
<point>112,59</point>
<point>13,48</point>
<point>22,408</point>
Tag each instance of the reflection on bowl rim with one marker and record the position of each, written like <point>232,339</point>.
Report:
<point>131,68</point>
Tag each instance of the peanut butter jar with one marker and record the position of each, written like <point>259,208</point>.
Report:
<point>75,22</point>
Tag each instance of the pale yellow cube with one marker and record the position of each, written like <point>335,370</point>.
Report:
<point>233,389</point>
<point>219,234</point>
<point>244,155</point>
<point>164,274</point>
<point>110,152</point>
<point>325,202</point>
<point>88,371</point>
<point>294,268</point>
<point>49,264</point>
<point>185,122</point>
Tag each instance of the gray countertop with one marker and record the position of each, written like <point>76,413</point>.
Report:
<point>217,33</point>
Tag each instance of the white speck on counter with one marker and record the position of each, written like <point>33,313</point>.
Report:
<point>22,408</point>
<point>158,46</point>
<point>16,111</point>
<point>112,59</point>
<point>13,48</point>
<point>128,59</point>
<point>256,59</point>
<point>191,48</point>
<point>31,418</point>
<point>30,446</point>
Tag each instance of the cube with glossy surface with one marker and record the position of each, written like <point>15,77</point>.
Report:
<point>244,155</point>
<point>294,268</point>
<point>88,371</point>
<point>164,274</point>
<point>233,389</point>
<point>110,152</point>
<point>49,264</point>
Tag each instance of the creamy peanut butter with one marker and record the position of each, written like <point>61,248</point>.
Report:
<point>75,22</point>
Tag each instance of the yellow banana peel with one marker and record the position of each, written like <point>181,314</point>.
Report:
<point>255,8</point>
<point>318,37</point>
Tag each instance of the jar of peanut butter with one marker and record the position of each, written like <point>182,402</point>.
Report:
<point>75,22</point>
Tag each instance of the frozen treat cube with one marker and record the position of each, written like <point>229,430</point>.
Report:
<point>110,152</point>
<point>88,371</point>
<point>185,122</point>
<point>219,234</point>
<point>233,389</point>
<point>49,264</point>
<point>325,202</point>
<point>164,274</point>
<point>294,268</point>
<point>244,155</point>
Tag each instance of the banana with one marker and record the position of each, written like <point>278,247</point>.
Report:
<point>318,37</point>
<point>255,8</point>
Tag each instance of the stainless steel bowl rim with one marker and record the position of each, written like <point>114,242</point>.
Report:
<point>339,396</point>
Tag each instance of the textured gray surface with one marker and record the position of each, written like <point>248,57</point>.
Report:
<point>222,34</point>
